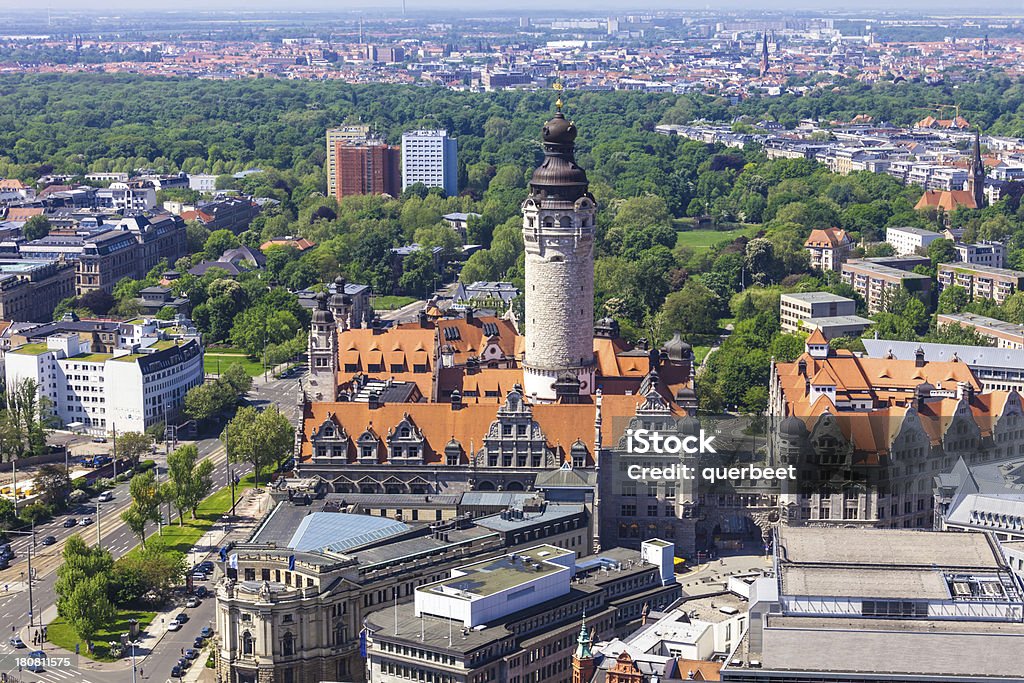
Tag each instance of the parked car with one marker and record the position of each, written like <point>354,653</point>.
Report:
<point>181,618</point>
<point>174,625</point>
<point>5,562</point>
<point>49,540</point>
<point>192,602</point>
<point>205,566</point>
<point>99,439</point>
<point>202,592</point>
<point>85,521</point>
<point>176,671</point>
<point>17,642</point>
<point>184,663</point>
<point>70,522</point>
<point>191,653</point>
<point>199,576</point>
<point>207,632</point>
<point>199,642</point>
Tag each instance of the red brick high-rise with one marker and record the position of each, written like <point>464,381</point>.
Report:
<point>370,167</point>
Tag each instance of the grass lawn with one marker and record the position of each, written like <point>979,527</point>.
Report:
<point>705,239</point>
<point>390,303</point>
<point>59,633</point>
<point>699,352</point>
<point>214,362</point>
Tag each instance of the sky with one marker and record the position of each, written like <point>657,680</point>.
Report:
<point>517,6</point>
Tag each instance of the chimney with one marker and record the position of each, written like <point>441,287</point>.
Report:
<point>919,358</point>
<point>423,319</point>
<point>469,314</point>
<point>456,400</point>
<point>802,367</point>
<point>374,400</point>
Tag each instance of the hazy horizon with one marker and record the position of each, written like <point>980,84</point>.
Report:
<point>511,7</point>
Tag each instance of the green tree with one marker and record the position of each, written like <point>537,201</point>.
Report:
<point>692,310</point>
<point>207,400</point>
<point>149,570</point>
<point>942,251</point>
<point>53,484</point>
<point>131,446</point>
<point>36,228</point>
<point>145,507</point>
<point>88,608</point>
<point>953,299</point>
<point>218,242</point>
<point>82,588</point>
<point>258,438</point>
<point>190,480</point>
<point>237,378</point>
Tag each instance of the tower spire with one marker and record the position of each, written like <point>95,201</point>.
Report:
<point>976,182</point>
<point>558,234</point>
<point>583,656</point>
<point>764,54</point>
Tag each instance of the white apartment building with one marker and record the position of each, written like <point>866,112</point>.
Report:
<point>983,253</point>
<point>908,240</point>
<point>430,157</point>
<point>202,182</point>
<point>134,196</point>
<point>140,384</point>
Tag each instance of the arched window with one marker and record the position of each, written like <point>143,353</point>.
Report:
<point>549,222</point>
<point>565,222</point>
<point>288,645</point>
<point>247,643</point>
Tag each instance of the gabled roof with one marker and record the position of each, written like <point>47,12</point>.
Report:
<point>947,200</point>
<point>827,237</point>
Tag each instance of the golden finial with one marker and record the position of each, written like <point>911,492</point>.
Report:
<point>558,88</point>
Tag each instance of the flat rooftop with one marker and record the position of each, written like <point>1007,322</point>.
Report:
<point>501,573</point>
<point>890,547</point>
<point>983,322</point>
<point>927,652</point>
<point>864,582</point>
<point>914,231</point>
<point>815,297</point>
<point>16,266</point>
<point>976,268</point>
<point>838,321</point>
<point>881,269</point>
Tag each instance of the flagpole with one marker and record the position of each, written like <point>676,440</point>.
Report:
<point>395,589</point>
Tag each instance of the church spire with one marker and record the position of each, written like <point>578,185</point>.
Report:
<point>583,656</point>
<point>976,182</point>
<point>764,54</point>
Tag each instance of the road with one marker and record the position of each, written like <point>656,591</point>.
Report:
<point>118,538</point>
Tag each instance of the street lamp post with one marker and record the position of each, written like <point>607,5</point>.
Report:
<point>133,643</point>
<point>99,539</point>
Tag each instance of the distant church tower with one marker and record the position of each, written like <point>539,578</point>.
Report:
<point>764,54</point>
<point>582,657</point>
<point>323,353</point>
<point>558,233</point>
<point>976,181</point>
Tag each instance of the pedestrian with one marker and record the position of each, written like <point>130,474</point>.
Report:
<point>141,674</point>
<point>182,651</point>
